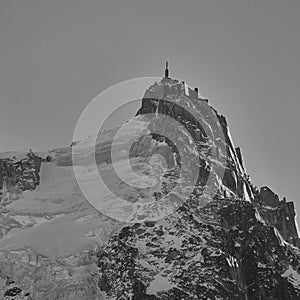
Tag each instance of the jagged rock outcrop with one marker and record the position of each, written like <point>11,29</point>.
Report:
<point>280,214</point>
<point>220,251</point>
<point>262,258</point>
<point>20,175</point>
<point>268,197</point>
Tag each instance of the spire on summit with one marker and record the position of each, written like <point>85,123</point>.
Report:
<point>167,70</point>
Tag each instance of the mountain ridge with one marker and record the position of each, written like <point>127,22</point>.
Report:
<point>227,241</point>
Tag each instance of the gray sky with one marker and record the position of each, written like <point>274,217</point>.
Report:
<point>56,56</point>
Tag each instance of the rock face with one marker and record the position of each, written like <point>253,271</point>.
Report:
<point>229,240</point>
<point>20,175</point>
<point>280,214</point>
<point>221,251</point>
<point>268,197</point>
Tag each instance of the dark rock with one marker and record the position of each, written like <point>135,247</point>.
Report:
<point>149,223</point>
<point>239,155</point>
<point>282,217</point>
<point>21,175</point>
<point>12,292</point>
<point>268,197</point>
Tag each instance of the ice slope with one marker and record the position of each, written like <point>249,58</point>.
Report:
<point>55,220</point>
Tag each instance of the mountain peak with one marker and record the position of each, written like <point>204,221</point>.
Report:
<point>220,237</point>
<point>170,88</point>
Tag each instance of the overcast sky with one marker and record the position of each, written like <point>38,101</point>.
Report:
<point>244,55</point>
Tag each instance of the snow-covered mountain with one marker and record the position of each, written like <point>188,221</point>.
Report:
<point>210,236</point>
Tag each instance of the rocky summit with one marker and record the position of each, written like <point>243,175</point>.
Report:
<point>228,239</point>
